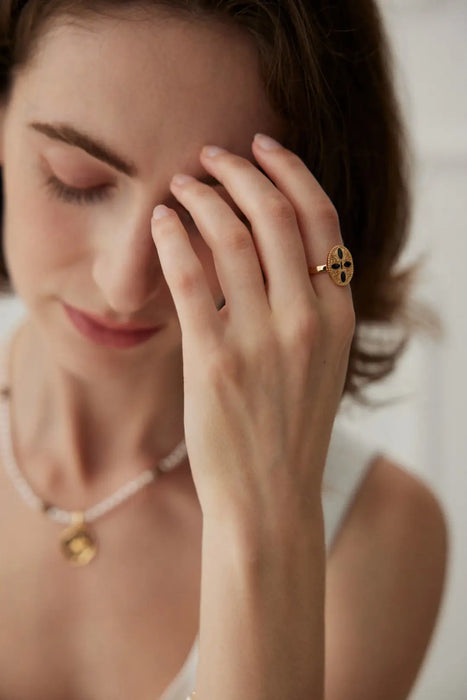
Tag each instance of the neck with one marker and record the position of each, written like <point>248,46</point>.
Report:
<point>88,425</point>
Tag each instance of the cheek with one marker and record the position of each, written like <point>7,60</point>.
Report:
<point>41,242</point>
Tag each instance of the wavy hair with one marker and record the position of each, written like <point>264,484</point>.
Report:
<point>328,71</point>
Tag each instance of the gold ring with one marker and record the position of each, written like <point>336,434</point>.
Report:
<point>339,265</point>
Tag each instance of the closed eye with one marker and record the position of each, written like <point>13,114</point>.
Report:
<point>92,195</point>
<point>75,195</point>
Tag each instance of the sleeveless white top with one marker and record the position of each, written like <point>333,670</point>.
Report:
<point>348,459</point>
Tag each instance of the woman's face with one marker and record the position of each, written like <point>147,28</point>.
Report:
<point>153,93</point>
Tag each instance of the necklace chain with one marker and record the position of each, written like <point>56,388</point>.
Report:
<point>25,491</point>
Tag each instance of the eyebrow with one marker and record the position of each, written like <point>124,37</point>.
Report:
<point>67,133</point>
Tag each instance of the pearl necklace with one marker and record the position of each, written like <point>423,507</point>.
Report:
<point>77,543</point>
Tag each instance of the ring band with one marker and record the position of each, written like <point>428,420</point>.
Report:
<point>339,265</point>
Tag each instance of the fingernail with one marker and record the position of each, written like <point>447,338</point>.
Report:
<point>266,142</point>
<point>211,151</point>
<point>182,179</point>
<point>160,211</point>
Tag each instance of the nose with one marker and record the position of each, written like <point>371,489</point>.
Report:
<point>126,267</point>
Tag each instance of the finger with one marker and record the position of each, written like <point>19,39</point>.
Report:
<point>234,253</point>
<point>196,308</point>
<point>274,224</point>
<point>316,215</point>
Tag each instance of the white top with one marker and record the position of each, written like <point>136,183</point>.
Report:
<point>348,460</point>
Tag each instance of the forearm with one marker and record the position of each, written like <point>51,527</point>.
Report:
<point>262,611</point>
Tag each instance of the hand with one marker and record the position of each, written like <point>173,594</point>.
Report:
<point>263,377</point>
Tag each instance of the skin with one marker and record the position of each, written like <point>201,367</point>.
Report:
<point>136,95</point>
<point>264,375</point>
<point>254,387</point>
<point>102,258</point>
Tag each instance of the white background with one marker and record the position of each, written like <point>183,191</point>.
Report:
<point>425,430</point>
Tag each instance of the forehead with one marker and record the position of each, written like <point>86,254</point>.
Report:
<point>154,85</point>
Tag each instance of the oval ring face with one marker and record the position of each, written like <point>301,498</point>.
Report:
<point>340,265</point>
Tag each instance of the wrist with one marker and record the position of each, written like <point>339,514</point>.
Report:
<point>260,519</point>
<point>250,540</point>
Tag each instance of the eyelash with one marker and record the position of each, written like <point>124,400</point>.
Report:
<point>74,195</point>
<point>92,195</point>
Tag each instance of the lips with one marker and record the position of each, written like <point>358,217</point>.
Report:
<point>102,322</point>
<point>103,335</point>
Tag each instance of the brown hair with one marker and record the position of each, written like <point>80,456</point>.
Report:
<point>328,71</point>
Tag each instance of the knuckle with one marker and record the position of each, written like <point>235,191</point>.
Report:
<point>187,280</point>
<point>327,213</point>
<point>237,239</point>
<point>305,330</point>
<point>342,324</point>
<point>351,318</point>
<point>279,207</point>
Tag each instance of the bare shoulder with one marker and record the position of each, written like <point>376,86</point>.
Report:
<point>384,586</point>
<point>389,489</point>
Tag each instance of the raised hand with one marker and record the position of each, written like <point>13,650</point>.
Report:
<point>263,377</point>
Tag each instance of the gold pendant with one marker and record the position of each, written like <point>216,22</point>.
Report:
<point>76,542</point>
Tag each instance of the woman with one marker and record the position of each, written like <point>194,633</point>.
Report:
<point>207,326</point>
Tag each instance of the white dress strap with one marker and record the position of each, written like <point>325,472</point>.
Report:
<point>348,461</point>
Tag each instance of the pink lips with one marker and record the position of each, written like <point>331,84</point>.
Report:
<point>104,323</point>
<point>115,336</point>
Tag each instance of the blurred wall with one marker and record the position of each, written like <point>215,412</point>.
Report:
<point>425,430</point>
